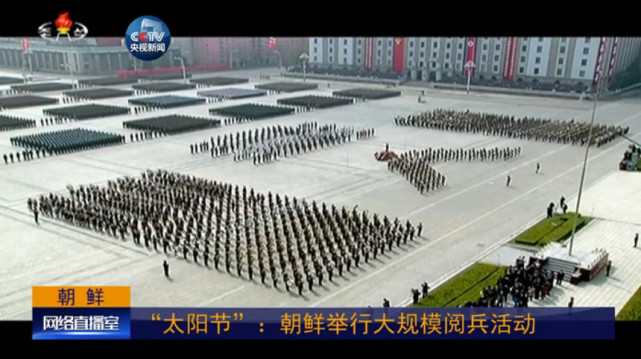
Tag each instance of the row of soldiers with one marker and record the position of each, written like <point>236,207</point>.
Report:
<point>14,122</point>
<point>529,128</point>
<point>418,172</point>
<point>27,155</point>
<point>291,241</point>
<point>441,154</point>
<point>73,99</point>
<point>140,109</point>
<point>147,135</point>
<point>47,121</point>
<point>270,143</point>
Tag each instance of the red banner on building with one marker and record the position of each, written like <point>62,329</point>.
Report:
<point>471,56</point>
<point>25,44</point>
<point>598,69</point>
<point>613,58</point>
<point>399,54</point>
<point>369,53</point>
<point>272,43</point>
<point>510,58</point>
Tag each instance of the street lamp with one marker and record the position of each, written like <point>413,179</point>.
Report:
<point>280,59</point>
<point>182,64</point>
<point>585,162</point>
<point>304,57</point>
<point>469,67</point>
<point>231,59</point>
<point>65,65</point>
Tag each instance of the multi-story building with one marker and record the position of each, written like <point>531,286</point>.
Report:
<point>89,56</point>
<point>243,51</point>
<point>560,59</point>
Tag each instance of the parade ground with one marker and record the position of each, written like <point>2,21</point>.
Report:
<point>466,221</point>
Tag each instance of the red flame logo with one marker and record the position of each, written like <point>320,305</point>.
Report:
<point>63,23</point>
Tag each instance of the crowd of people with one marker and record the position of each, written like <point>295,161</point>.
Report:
<point>521,283</point>
<point>528,128</point>
<point>289,241</point>
<point>417,171</point>
<point>8,122</point>
<point>270,143</point>
<point>73,99</point>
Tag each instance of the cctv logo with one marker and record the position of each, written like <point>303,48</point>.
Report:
<point>147,38</point>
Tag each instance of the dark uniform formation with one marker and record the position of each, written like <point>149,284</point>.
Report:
<point>64,141</point>
<point>172,124</point>
<point>269,143</point>
<point>168,101</point>
<point>96,93</point>
<point>536,129</point>
<point>278,87</point>
<point>278,238</point>
<point>146,88</point>
<point>250,111</point>
<point>418,172</point>
<point>13,122</point>
<point>82,112</point>
<point>434,155</point>
<point>366,93</point>
<point>308,103</point>
<point>522,282</point>
<point>218,81</point>
<point>25,101</point>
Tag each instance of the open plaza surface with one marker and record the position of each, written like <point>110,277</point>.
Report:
<point>466,221</point>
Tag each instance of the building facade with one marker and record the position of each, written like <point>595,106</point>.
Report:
<point>89,56</point>
<point>545,59</point>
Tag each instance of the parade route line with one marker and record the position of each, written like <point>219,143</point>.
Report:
<point>458,229</point>
<point>221,296</point>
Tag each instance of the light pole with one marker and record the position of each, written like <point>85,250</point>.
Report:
<point>585,163</point>
<point>469,67</point>
<point>182,64</point>
<point>280,59</point>
<point>66,65</point>
<point>231,59</point>
<point>304,57</point>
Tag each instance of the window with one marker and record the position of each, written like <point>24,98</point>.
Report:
<point>378,53</point>
<point>331,41</point>
<point>344,51</point>
<point>435,44</point>
<point>484,47</point>
<point>496,58</point>
<point>411,53</point>
<point>459,67</point>
<point>315,41</point>
<point>587,40</point>
<point>523,48</point>
<point>331,59</point>
<point>389,53</point>
<point>389,62</point>
<point>582,73</point>
<point>447,56</point>
<point>421,64</point>
<point>434,54</point>
<point>559,72</point>
<point>315,49</point>
<point>483,58</point>
<point>360,42</point>
<point>522,58</point>
<point>358,61</point>
<point>345,60</point>
<point>422,44</point>
<point>564,39</point>
<point>410,63</point>
<point>331,49</point>
<point>562,49</point>
<point>315,58</point>
<point>448,45</point>
<point>380,42</point>
<point>447,65</point>
<point>536,70</point>
<point>483,68</point>
<point>497,47</point>
<point>537,60</point>
<point>560,61</point>
<point>359,51</point>
<point>433,64</point>
<point>586,50</point>
<point>584,62</point>
<point>459,56</point>
<point>345,42</point>
<point>411,43</point>
<point>459,45</point>
<point>521,69</point>
<point>421,54</point>
<point>540,39</point>
<point>539,49</point>
<point>495,68</point>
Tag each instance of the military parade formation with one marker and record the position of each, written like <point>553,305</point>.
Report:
<point>267,144</point>
<point>290,242</point>
<point>526,128</point>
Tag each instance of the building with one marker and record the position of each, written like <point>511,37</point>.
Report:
<point>556,60</point>
<point>89,56</point>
